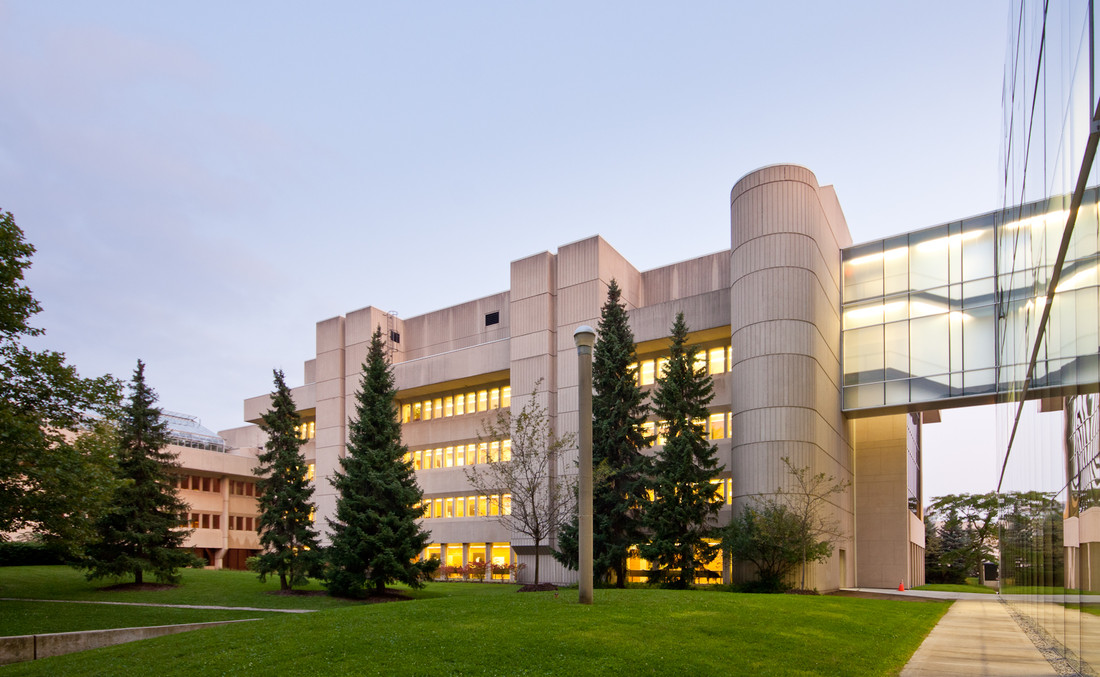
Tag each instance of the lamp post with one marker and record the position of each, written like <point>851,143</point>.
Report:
<point>585,337</point>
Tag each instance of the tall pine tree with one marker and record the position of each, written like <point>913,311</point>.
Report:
<point>143,530</point>
<point>618,412</point>
<point>685,501</point>
<point>375,535</point>
<point>286,524</point>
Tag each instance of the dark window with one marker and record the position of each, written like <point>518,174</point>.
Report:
<point>492,318</point>
<point>395,336</point>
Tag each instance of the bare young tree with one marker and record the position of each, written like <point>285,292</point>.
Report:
<point>808,499</point>
<point>541,499</point>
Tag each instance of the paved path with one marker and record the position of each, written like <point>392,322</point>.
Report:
<point>979,635</point>
<point>170,606</point>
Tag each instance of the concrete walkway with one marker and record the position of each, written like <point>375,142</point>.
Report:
<point>170,606</point>
<point>977,637</point>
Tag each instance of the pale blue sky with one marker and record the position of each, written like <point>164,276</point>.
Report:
<point>205,181</point>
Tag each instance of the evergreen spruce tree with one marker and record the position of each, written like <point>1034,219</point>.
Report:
<point>286,524</point>
<point>375,535</point>
<point>618,412</point>
<point>143,529</point>
<point>679,518</point>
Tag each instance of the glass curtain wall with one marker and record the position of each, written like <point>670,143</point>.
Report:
<point>1047,328</point>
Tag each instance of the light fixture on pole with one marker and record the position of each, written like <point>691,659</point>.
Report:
<point>585,338</point>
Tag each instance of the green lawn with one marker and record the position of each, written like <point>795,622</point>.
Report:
<point>32,618</point>
<point>222,588</point>
<point>490,629</point>
<point>956,587</point>
<point>1043,590</point>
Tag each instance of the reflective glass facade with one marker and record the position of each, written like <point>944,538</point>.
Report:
<point>1050,526</point>
<point>949,311</point>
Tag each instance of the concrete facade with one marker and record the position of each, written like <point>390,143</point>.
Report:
<point>767,315</point>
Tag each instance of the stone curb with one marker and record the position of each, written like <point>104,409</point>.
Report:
<point>32,647</point>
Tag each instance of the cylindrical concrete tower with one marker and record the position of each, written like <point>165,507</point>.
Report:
<point>787,233</point>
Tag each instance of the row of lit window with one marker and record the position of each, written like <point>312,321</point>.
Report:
<point>714,361</point>
<point>205,520</point>
<point>460,455</point>
<point>723,491</point>
<point>307,430</point>
<point>196,483</point>
<point>239,488</point>
<point>457,404</point>
<point>715,427</point>
<point>468,506</point>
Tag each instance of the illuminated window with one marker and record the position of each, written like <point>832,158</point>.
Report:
<point>471,402</point>
<point>506,450</point>
<point>416,411</point>
<point>426,410</point>
<point>460,455</point>
<point>437,407</point>
<point>460,405</point>
<point>448,406</point>
<point>427,459</point>
<point>729,491</point>
<point>449,457</point>
<point>460,507</point>
<point>494,452</point>
<point>647,372</point>
<point>416,460</point>
<point>471,506</point>
<point>311,471</point>
<point>506,504</point>
<point>438,463</point>
<point>494,398</point>
<point>494,506</point>
<point>729,358</point>
<point>506,396</point>
<point>482,452</point>
<point>662,365</point>
<point>700,363</point>
<point>649,429</point>
<point>438,511</point>
<point>194,520</point>
<point>482,505</point>
<point>406,413</point>
<point>717,363</point>
<point>719,495</point>
<point>482,400</point>
<point>662,432</point>
<point>449,507</point>
<point>717,426</point>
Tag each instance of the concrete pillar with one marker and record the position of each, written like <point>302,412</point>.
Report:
<point>786,237</point>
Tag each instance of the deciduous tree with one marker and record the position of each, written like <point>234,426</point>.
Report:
<point>375,536</point>
<point>685,502</point>
<point>789,528</point>
<point>541,499</point>
<point>144,528</point>
<point>286,512</point>
<point>49,484</point>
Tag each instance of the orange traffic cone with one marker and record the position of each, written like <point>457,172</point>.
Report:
<point>901,586</point>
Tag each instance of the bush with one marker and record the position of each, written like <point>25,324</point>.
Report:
<point>29,553</point>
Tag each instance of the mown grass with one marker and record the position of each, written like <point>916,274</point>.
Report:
<point>488,629</point>
<point>221,588</point>
<point>956,587</point>
<point>32,618</point>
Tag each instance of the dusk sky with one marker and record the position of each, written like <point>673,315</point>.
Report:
<point>206,181</point>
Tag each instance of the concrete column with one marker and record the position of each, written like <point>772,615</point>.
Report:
<point>786,237</point>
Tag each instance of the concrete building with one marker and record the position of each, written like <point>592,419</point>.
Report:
<point>216,481</point>
<point>822,352</point>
